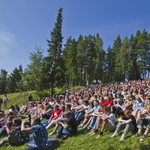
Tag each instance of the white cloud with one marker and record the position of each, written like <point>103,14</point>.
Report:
<point>7,41</point>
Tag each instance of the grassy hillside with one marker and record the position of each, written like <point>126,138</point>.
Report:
<point>83,141</point>
<point>19,98</point>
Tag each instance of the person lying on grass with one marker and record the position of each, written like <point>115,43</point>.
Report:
<point>143,119</point>
<point>128,122</point>
<point>107,120</point>
<point>40,134</point>
<point>70,128</point>
<point>15,136</point>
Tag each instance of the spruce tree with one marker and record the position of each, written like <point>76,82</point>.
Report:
<point>55,53</point>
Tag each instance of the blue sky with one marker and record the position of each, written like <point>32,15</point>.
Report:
<point>24,24</point>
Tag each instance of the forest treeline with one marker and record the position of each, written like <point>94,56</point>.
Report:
<point>80,61</point>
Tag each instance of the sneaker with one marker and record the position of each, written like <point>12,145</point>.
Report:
<point>88,129</point>
<point>94,132</point>
<point>80,126</point>
<point>100,134</point>
<point>143,138</point>
<point>123,137</point>
<point>84,128</point>
<point>136,135</point>
<point>115,135</point>
<point>52,133</point>
<point>64,137</point>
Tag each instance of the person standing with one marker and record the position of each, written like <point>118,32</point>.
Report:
<point>30,97</point>
<point>1,101</point>
<point>5,99</point>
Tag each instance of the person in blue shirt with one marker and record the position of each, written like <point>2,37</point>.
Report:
<point>138,105</point>
<point>39,133</point>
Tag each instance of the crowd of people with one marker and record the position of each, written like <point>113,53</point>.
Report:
<point>93,109</point>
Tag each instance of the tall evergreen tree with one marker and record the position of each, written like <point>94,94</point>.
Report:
<point>116,49</point>
<point>55,53</point>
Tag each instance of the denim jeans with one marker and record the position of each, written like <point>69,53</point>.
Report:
<point>45,123</point>
<point>3,132</point>
<point>145,122</point>
<point>31,148</point>
<point>96,123</point>
<point>92,121</point>
<point>62,131</point>
<point>5,104</point>
<point>79,115</point>
<point>128,127</point>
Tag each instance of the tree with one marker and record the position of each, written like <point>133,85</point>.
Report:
<point>116,49</point>
<point>55,53</point>
<point>72,63</point>
<point>13,80</point>
<point>3,74</point>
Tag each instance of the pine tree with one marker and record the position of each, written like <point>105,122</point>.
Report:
<point>55,53</point>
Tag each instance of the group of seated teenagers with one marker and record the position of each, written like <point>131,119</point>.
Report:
<point>93,108</point>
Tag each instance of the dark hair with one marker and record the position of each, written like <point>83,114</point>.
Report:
<point>36,120</point>
<point>17,121</point>
<point>107,109</point>
<point>68,106</point>
<point>86,101</point>
<point>97,101</point>
<point>67,113</point>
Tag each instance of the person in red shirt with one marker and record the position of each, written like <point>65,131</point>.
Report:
<point>54,115</point>
<point>103,101</point>
<point>109,103</point>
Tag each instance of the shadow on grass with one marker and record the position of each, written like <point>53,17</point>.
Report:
<point>55,145</point>
<point>144,147</point>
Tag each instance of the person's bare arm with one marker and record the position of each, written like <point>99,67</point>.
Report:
<point>23,127</point>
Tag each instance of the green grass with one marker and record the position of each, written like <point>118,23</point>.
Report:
<point>19,98</point>
<point>82,141</point>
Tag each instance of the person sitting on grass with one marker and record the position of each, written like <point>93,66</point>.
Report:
<point>54,115</point>
<point>3,130</point>
<point>128,122</point>
<point>15,136</point>
<point>107,120</point>
<point>3,119</point>
<point>70,128</point>
<point>138,105</point>
<point>62,118</point>
<point>40,134</point>
<point>143,119</point>
<point>54,122</point>
<point>47,112</point>
<point>95,109</point>
<point>80,111</point>
<point>87,117</point>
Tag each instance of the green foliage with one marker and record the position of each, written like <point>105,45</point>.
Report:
<point>55,53</point>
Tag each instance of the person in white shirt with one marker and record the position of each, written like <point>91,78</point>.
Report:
<point>3,119</point>
<point>108,121</point>
<point>5,99</point>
